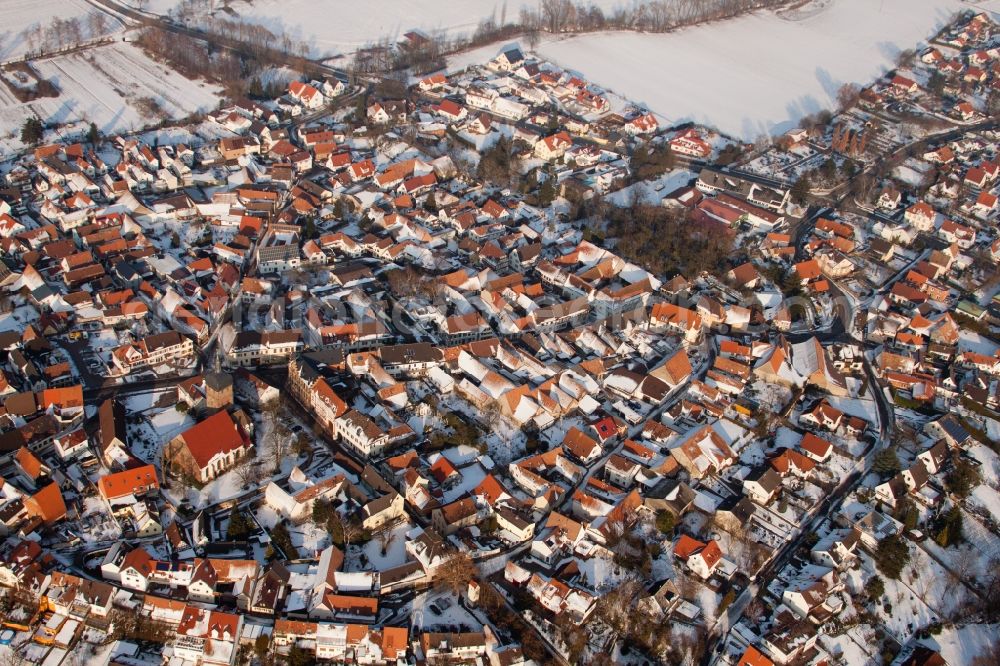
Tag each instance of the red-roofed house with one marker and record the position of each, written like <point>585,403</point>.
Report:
<point>553,147</point>
<point>986,204</point>
<point>921,216</point>
<point>306,94</point>
<point>135,482</point>
<point>47,504</point>
<point>689,142</point>
<point>815,447</point>
<point>207,449</point>
<point>754,657</point>
<point>701,558</point>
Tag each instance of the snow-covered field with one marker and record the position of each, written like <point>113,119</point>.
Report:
<point>117,87</point>
<point>333,27</point>
<point>18,15</point>
<point>760,73</point>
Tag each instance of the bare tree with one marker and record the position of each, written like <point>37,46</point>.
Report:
<point>385,538</point>
<point>73,30</point>
<point>847,96</point>
<point>278,433</point>
<point>964,563</point>
<point>248,472</point>
<point>97,24</point>
<point>455,573</point>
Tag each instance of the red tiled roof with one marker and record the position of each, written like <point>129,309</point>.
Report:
<point>128,482</point>
<point>216,434</point>
<point>47,504</point>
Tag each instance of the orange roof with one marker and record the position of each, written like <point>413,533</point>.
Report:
<point>687,546</point>
<point>216,434</point>
<point>815,445</point>
<point>47,504</point>
<point>31,465</point>
<point>64,398</point>
<point>326,393</point>
<point>140,560</point>
<point>442,469</point>
<point>356,633</point>
<point>711,553</point>
<point>491,489</point>
<point>753,657</point>
<point>678,366</point>
<point>354,605</point>
<point>579,443</point>
<point>394,642</point>
<point>789,458</point>
<point>128,482</point>
<point>733,347</point>
<point>808,270</point>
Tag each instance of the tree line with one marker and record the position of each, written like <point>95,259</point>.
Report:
<point>658,16</point>
<point>550,16</point>
<point>62,33</point>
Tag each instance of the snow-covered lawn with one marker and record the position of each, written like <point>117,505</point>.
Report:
<point>651,192</point>
<point>117,87</point>
<point>961,645</point>
<point>308,538</point>
<point>988,498</point>
<point>18,318</point>
<point>393,539</point>
<point>757,74</point>
<point>990,467</point>
<point>916,600</point>
<point>472,476</point>
<point>852,646</point>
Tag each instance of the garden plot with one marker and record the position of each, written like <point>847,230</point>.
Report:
<point>116,87</point>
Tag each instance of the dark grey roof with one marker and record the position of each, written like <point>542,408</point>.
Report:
<point>419,352</point>
<point>218,381</point>
<point>953,428</point>
<point>766,477</point>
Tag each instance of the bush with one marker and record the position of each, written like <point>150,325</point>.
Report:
<point>962,479</point>
<point>240,526</point>
<point>282,541</point>
<point>886,463</point>
<point>261,645</point>
<point>950,531</point>
<point>32,131</point>
<point>665,522</point>
<point>875,588</point>
<point>892,556</point>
